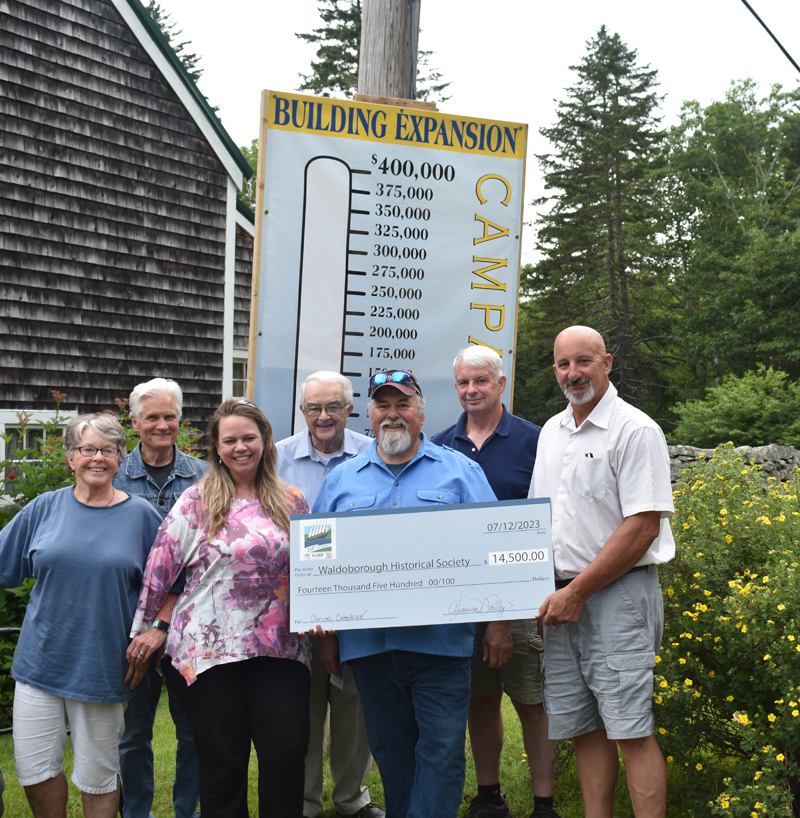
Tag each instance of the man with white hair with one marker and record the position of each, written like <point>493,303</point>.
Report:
<point>504,445</point>
<point>414,681</point>
<point>304,460</point>
<point>159,472</point>
<point>605,467</point>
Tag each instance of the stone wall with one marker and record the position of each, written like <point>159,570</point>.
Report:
<point>776,461</point>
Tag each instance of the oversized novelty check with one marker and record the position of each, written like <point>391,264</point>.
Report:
<point>420,566</point>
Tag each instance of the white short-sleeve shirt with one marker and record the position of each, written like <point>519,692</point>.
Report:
<point>614,465</point>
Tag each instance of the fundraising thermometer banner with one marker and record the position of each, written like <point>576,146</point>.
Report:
<point>390,238</point>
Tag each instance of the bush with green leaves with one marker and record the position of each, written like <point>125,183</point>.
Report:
<point>761,407</point>
<point>727,695</point>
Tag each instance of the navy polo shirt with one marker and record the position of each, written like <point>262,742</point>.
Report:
<point>507,457</point>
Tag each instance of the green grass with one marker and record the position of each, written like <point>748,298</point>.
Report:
<point>515,777</point>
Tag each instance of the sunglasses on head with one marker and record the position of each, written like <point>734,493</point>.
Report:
<point>398,376</point>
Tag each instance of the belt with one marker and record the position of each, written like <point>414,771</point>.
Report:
<point>562,583</point>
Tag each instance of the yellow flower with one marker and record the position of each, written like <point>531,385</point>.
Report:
<point>790,638</point>
<point>698,766</point>
<point>670,592</point>
<point>744,628</point>
<point>772,717</point>
<point>663,683</point>
<point>669,759</point>
<point>767,657</point>
<point>741,718</point>
<point>725,804</point>
<point>687,682</point>
<point>682,661</point>
<point>662,731</point>
<point>711,674</point>
<point>723,512</point>
<point>729,699</point>
<point>728,539</point>
<point>780,757</point>
<point>707,593</point>
<point>781,607</point>
<point>686,525</point>
<point>796,713</point>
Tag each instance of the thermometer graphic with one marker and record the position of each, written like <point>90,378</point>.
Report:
<point>330,282</point>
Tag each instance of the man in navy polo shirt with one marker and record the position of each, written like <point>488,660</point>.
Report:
<point>505,447</point>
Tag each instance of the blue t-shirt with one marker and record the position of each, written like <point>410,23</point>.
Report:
<point>88,563</point>
<point>434,476</point>
<point>507,457</point>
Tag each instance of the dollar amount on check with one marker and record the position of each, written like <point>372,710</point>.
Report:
<point>420,566</point>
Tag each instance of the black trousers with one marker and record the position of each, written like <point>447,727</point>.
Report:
<point>264,699</point>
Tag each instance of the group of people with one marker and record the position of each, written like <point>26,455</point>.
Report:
<point>159,563</point>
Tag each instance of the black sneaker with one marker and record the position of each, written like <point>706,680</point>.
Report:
<point>549,812</point>
<point>481,808</point>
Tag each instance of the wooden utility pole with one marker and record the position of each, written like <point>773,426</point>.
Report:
<point>388,62</point>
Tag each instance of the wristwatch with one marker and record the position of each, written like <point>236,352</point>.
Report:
<point>161,624</point>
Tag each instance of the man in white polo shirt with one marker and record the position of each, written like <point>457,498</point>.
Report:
<point>605,467</point>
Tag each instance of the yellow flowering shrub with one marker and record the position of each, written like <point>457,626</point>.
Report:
<point>728,683</point>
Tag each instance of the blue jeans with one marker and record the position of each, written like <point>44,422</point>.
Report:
<point>136,753</point>
<point>416,708</point>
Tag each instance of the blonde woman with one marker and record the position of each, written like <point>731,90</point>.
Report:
<point>231,659</point>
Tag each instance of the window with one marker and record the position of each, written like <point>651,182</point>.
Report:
<point>29,439</point>
<point>239,378</point>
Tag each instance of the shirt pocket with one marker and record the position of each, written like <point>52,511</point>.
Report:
<point>591,476</point>
<point>439,496</point>
<point>357,503</point>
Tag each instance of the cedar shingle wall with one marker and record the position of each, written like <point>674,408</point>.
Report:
<point>112,217</point>
<point>243,286</point>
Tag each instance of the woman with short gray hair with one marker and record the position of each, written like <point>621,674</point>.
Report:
<point>86,545</point>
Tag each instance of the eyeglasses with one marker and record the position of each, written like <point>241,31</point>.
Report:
<point>91,451</point>
<point>398,376</point>
<point>314,411</point>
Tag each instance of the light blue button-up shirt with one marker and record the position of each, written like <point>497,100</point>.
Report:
<point>301,465</point>
<point>434,476</point>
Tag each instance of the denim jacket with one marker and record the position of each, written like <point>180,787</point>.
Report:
<point>133,478</point>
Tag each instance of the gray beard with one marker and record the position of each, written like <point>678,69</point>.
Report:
<point>578,400</point>
<point>394,442</point>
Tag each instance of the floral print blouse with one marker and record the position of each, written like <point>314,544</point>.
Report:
<point>235,604</point>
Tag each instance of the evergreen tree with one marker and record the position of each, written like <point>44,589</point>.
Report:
<point>336,70</point>
<point>598,240</point>
<point>169,28</point>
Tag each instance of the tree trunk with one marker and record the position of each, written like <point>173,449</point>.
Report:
<point>388,61</point>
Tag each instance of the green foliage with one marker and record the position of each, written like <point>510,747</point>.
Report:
<point>335,73</point>
<point>727,689</point>
<point>336,68</point>
<point>760,408</point>
<point>169,28</point>
<point>734,204</point>
<point>35,469</point>
<point>13,602</point>
<point>248,192</point>
<point>601,259</point>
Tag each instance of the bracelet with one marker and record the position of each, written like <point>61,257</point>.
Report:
<point>161,625</point>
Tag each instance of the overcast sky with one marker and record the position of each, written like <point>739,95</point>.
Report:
<point>506,59</point>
